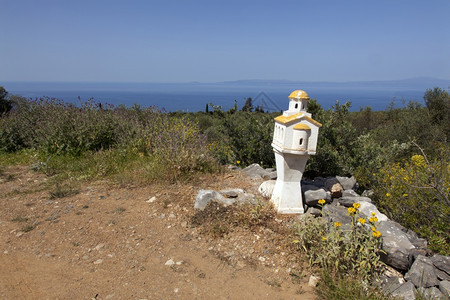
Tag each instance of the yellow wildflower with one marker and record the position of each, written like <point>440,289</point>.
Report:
<point>376,233</point>
<point>324,238</point>
<point>374,228</point>
<point>373,219</point>
<point>405,195</point>
<point>356,205</point>
<point>418,160</point>
<point>351,210</point>
<point>238,162</point>
<point>337,224</point>
<point>388,195</point>
<point>362,221</point>
<point>321,201</point>
<point>373,214</point>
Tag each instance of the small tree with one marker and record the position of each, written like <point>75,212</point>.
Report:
<point>248,106</point>
<point>437,102</point>
<point>5,103</point>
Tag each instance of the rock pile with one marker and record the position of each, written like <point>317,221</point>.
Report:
<point>415,269</point>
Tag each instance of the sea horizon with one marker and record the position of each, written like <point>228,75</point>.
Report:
<point>194,96</point>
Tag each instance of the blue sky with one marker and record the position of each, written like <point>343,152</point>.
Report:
<point>209,41</point>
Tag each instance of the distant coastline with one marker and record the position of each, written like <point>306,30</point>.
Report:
<point>193,96</point>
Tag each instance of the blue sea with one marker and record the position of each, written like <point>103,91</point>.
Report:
<point>193,97</point>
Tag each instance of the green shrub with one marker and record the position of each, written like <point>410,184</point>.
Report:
<point>353,251</point>
<point>335,148</point>
<point>415,193</point>
<point>58,131</point>
<point>347,256</point>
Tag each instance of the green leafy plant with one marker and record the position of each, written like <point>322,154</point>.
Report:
<point>415,193</point>
<point>341,252</point>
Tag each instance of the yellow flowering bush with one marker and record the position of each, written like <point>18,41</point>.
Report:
<point>418,161</point>
<point>415,193</point>
<point>341,250</point>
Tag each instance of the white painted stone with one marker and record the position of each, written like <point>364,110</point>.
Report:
<point>266,188</point>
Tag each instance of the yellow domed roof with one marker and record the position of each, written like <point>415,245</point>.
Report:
<point>299,94</point>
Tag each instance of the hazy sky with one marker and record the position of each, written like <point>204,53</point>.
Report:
<point>208,41</point>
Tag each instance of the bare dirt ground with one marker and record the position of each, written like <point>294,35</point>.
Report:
<point>111,242</point>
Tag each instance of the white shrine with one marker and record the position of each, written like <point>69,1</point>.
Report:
<point>294,140</point>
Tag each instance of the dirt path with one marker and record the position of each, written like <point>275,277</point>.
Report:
<point>110,242</point>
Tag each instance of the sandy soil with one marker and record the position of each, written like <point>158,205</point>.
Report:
<point>111,242</point>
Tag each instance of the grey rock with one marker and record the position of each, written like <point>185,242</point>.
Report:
<point>306,181</point>
<point>312,197</point>
<point>309,187</point>
<point>337,214</point>
<point>367,208</point>
<point>422,273</point>
<point>367,193</point>
<point>314,211</point>
<point>415,240</point>
<point>246,198</point>
<point>441,275</point>
<point>349,201</point>
<point>205,196</point>
<point>347,183</point>
<point>390,284</point>
<point>444,287</point>
<point>431,293</point>
<point>329,182</point>
<point>336,190</point>
<point>420,251</point>
<point>232,193</point>
<point>318,181</point>
<point>255,171</point>
<point>266,188</point>
<point>405,291</point>
<point>334,186</point>
<point>349,193</point>
<point>270,175</point>
<point>441,262</point>
<point>396,245</point>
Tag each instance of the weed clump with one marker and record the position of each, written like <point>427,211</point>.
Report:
<point>348,253</point>
<point>63,191</point>
<point>218,220</point>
